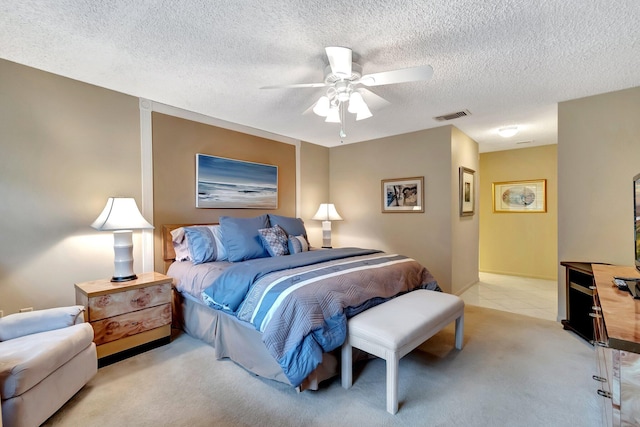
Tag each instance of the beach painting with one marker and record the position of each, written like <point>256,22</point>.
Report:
<point>235,184</point>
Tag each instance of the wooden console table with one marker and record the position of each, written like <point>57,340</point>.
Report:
<point>617,341</point>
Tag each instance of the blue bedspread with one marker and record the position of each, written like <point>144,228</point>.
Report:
<point>301,302</point>
<point>228,291</point>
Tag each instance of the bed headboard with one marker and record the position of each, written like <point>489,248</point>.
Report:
<point>168,254</point>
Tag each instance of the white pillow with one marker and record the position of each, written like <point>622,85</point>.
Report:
<point>180,245</point>
<point>297,244</point>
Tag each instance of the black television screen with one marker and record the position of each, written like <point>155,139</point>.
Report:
<point>636,217</point>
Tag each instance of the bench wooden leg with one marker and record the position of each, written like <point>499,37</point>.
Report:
<point>392,383</point>
<point>459,331</point>
<point>347,356</point>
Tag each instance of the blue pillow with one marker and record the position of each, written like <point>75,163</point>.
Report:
<point>203,244</point>
<point>291,226</point>
<point>241,237</point>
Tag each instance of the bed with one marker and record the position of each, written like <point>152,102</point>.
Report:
<point>254,290</point>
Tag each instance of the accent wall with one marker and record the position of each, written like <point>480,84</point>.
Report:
<point>175,144</point>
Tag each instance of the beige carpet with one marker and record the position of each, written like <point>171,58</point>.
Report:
<point>513,371</point>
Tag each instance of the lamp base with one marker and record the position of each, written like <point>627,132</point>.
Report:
<point>326,234</point>
<point>123,250</point>
<point>124,279</point>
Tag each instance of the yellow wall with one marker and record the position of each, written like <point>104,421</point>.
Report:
<point>519,244</point>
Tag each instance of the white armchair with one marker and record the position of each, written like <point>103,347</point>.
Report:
<point>46,356</point>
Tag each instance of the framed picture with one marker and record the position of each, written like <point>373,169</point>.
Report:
<point>467,191</point>
<point>403,195</point>
<point>520,196</point>
<point>229,184</point>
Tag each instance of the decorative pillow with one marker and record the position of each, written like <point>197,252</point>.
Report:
<point>241,238</point>
<point>297,244</point>
<point>291,226</point>
<point>204,243</point>
<point>274,240</point>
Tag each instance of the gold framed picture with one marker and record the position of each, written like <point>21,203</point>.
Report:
<point>467,191</point>
<point>520,196</point>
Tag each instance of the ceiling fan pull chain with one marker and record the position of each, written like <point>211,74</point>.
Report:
<point>343,134</point>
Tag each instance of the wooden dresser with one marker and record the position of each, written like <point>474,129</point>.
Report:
<point>125,315</point>
<point>617,342</point>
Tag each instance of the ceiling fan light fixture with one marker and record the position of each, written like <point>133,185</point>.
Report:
<point>355,102</point>
<point>508,131</point>
<point>333,116</point>
<point>364,113</point>
<point>322,107</point>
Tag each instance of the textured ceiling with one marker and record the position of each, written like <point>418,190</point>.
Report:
<point>508,62</point>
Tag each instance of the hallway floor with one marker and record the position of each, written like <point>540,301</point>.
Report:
<point>521,295</point>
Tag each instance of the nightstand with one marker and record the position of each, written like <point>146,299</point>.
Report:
<point>125,315</point>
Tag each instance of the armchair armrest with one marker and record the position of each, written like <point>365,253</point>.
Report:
<point>20,324</point>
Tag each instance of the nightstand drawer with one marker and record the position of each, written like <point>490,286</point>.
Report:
<point>113,304</point>
<point>117,327</point>
<point>125,315</point>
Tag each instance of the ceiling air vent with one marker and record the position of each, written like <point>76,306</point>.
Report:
<point>452,116</point>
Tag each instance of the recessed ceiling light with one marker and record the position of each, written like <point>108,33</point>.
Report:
<point>507,132</point>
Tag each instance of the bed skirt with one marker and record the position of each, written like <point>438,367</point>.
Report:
<point>240,342</point>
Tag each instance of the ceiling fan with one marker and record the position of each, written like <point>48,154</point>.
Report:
<point>342,78</point>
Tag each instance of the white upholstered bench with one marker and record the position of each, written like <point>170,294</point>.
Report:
<point>392,329</point>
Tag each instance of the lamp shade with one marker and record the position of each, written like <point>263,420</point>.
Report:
<point>120,213</point>
<point>327,212</point>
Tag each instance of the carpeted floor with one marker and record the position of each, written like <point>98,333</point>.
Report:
<point>513,371</point>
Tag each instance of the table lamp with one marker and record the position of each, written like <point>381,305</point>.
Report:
<point>326,213</point>
<point>121,215</point>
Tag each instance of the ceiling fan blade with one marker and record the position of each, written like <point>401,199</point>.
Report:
<point>340,60</point>
<point>295,86</point>
<point>310,109</point>
<point>413,74</point>
<point>373,100</point>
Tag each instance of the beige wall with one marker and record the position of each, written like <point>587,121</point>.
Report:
<point>175,144</point>
<point>314,184</point>
<point>65,148</point>
<point>464,229</point>
<point>598,155</point>
<point>519,244</point>
<point>356,171</point>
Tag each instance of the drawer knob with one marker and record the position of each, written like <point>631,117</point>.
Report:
<point>604,394</point>
<point>141,301</point>
<point>103,301</point>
